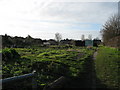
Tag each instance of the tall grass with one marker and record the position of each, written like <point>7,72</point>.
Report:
<point>108,66</point>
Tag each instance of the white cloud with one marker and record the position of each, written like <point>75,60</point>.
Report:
<point>79,12</point>
<point>42,18</point>
<point>88,1</point>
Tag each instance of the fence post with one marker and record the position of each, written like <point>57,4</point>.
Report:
<point>58,83</point>
<point>34,82</point>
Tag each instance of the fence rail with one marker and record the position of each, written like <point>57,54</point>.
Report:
<point>22,77</point>
<point>17,78</point>
<point>57,83</point>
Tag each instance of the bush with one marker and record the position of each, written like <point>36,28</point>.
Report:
<point>9,55</point>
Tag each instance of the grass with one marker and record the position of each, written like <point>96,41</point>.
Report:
<point>107,66</point>
<point>50,63</point>
<point>0,50</point>
<point>74,63</point>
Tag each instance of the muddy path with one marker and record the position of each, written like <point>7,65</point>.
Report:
<point>90,80</point>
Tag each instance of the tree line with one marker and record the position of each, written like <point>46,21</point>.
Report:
<point>21,42</point>
<point>9,41</point>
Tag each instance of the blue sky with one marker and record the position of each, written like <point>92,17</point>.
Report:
<point>43,18</point>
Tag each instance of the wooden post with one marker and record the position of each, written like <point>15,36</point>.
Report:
<point>56,84</point>
<point>34,81</point>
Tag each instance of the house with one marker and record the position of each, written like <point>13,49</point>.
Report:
<point>66,42</point>
<point>46,43</point>
<point>52,42</point>
<point>88,42</point>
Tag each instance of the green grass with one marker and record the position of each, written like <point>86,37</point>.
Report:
<point>108,66</point>
<point>0,50</point>
<point>50,63</point>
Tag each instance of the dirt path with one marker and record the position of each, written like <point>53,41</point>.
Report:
<point>89,79</point>
<point>94,55</point>
<point>94,72</point>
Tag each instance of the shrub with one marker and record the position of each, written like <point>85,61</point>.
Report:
<point>9,55</point>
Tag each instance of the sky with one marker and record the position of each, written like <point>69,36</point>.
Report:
<point>43,18</point>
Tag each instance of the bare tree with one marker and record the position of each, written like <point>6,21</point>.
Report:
<point>111,28</point>
<point>83,37</point>
<point>90,37</point>
<point>58,37</point>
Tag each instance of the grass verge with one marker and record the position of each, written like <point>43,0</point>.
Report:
<point>108,67</point>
